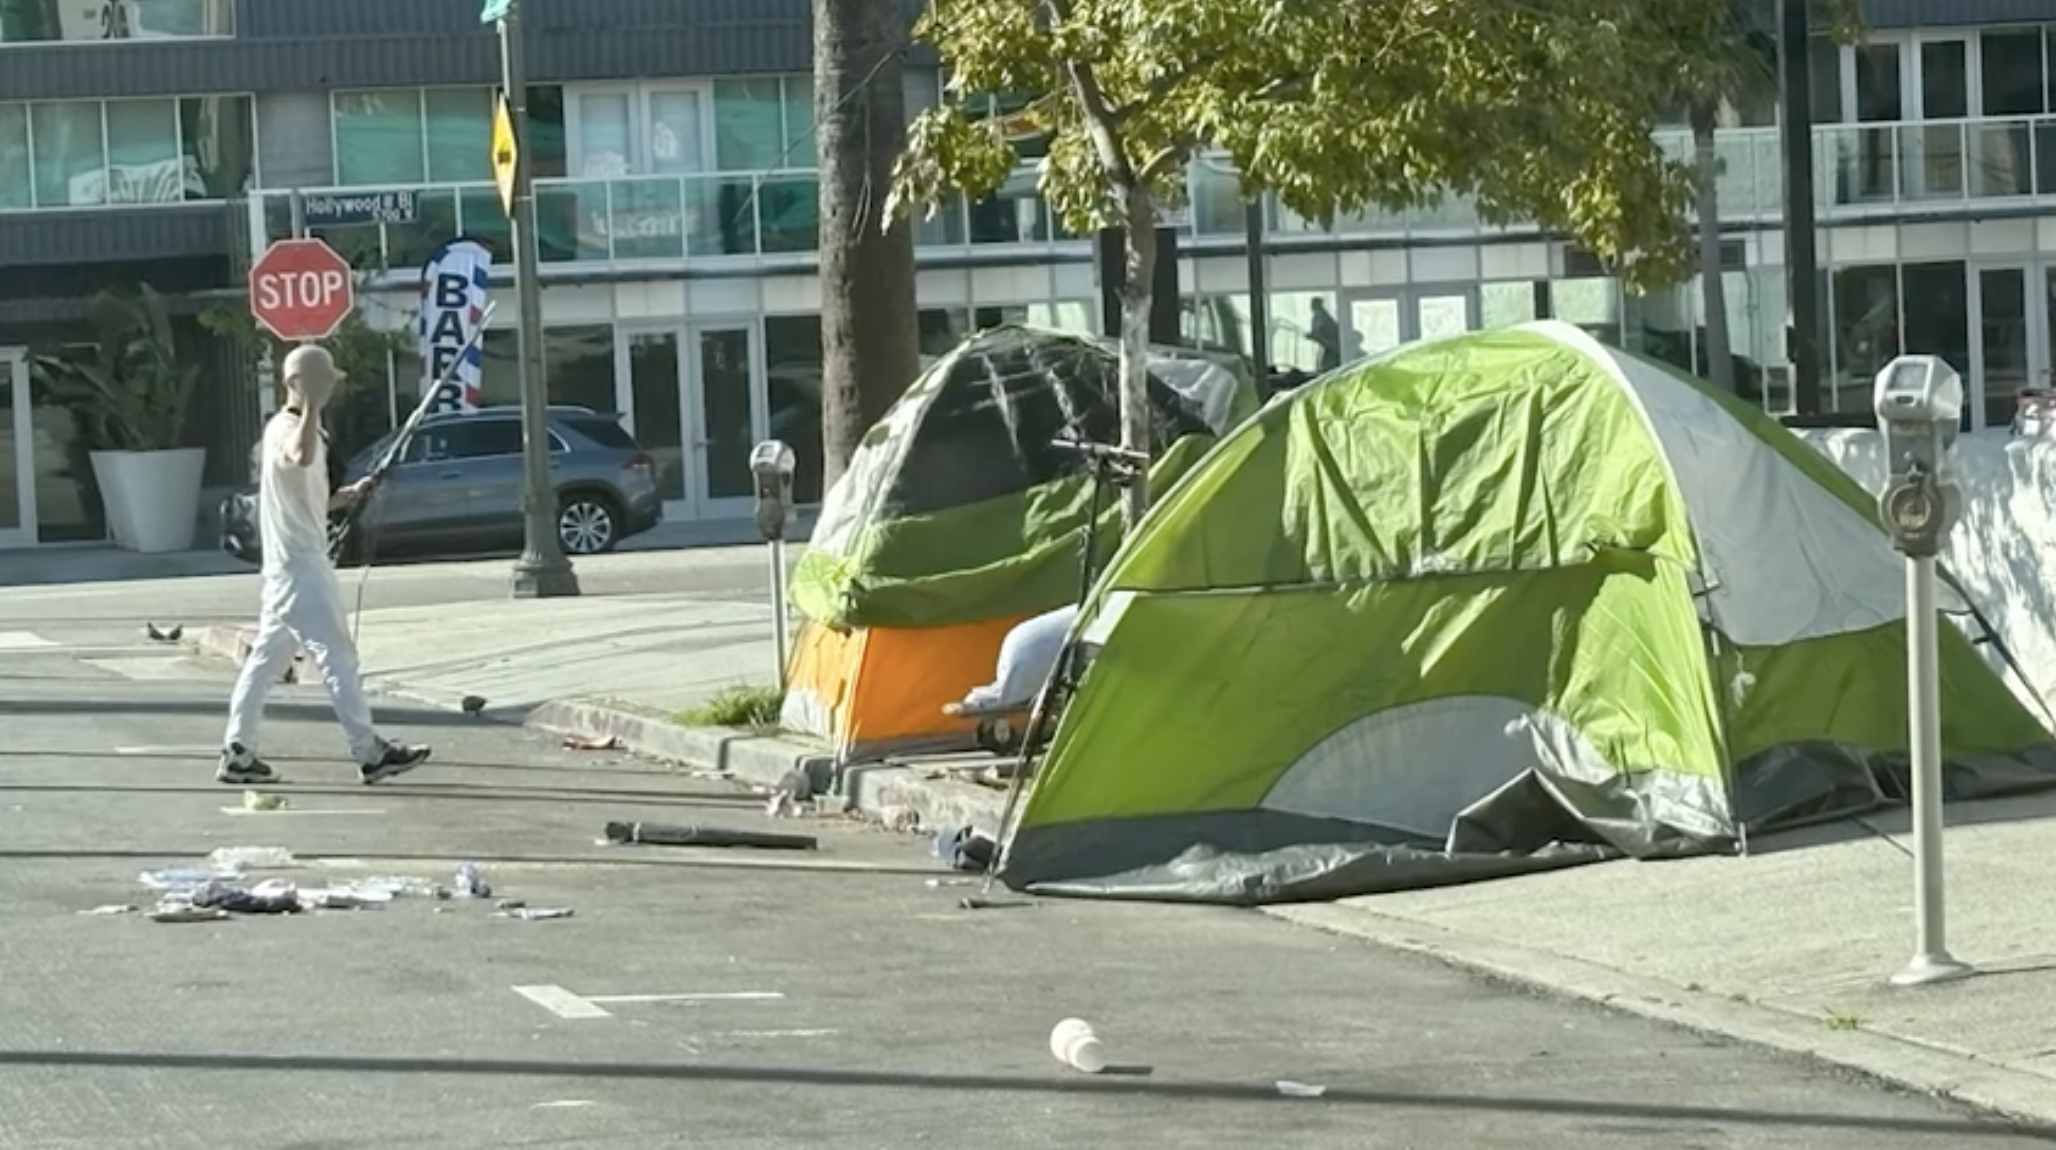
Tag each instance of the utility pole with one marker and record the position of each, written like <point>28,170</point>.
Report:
<point>542,572</point>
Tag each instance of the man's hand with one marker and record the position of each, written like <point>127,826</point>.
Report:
<point>349,493</point>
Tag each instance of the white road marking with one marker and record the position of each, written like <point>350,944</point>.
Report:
<point>23,641</point>
<point>564,1004</point>
<point>567,1104</point>
<point>195,749</point>
<point>561,1002</point>
<point>245,812</point>
<point>775,1033</point>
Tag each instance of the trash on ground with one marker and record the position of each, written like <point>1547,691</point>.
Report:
<point>112,908</point>
<point>253,858</point>
<point>595,743</point>
<point>187,914</point>
<point>1076,1045</point>
<point>534,913</point>
<point>977,903</point>
<point>709,773</point>
<point>471,882</point>
<point>269,897</point>
<point>509,904</point>
<point>657,834</point>
<point>1291,1089</point>
<point>263,801</point>
<point>901,819</point>
<point>791,797</point>
<point>171,634</point>
<point>966,849</point>
<point>181,878</point>
<point>938,883</point>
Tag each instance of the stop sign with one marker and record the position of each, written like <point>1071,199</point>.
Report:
<point>301,290</point>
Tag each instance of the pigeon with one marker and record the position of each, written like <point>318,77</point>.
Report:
<point>473,705</point>
<point>161,636</point>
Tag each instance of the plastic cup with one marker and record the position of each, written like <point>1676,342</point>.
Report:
<point>1074,1044</point>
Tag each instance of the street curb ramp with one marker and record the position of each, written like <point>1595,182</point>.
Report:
<point>2021,1095</point>
<point>888,792</point>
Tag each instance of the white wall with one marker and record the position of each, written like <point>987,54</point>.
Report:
<point>2001,553</point>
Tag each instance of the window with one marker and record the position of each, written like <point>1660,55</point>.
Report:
<point>69,153</point>
<point>17,187</point>
<point>145,164</point>
<point>219,143</point>
<point>379,138</point>
<point>606,432</point>
<point>466,439</point>
<point>764,123</point>
<point>2013,83</point>
<point>32,22</point>
<point>458,134</point>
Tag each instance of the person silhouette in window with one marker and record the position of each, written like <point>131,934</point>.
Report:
<point>1327,335</point>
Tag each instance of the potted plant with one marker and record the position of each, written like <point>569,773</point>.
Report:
<point>130,396</point>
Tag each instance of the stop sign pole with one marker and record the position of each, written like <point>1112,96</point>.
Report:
<point>301,290</point>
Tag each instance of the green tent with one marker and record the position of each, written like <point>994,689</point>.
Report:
<point>1483,605</point>
<point>956,508</point>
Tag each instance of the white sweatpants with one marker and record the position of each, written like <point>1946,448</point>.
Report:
<point>303,610</point>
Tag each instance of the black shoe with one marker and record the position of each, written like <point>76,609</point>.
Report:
<point>393,759</point>
<point>240,768</point>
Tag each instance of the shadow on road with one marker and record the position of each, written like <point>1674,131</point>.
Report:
<point>563,796</point>
<point>710,858</point>
<point>787,1077</point>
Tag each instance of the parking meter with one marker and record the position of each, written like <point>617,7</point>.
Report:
<point>1919,402</point>
<point>771,467</point>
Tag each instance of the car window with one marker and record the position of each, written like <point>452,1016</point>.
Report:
<point>605,432</point>
<point>465,439</point>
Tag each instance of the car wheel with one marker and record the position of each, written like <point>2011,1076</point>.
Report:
<point>587,525</point>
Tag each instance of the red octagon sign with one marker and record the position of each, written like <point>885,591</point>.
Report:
<point>301,290</point>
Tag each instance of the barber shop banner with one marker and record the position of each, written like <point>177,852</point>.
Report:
<point>453,295</point>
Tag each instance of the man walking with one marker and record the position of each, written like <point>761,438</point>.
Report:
<point>303,600</point>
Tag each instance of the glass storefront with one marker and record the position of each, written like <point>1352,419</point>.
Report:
<point>43,21</point>
<point>89,153</point>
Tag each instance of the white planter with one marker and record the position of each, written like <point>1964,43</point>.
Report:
<point>152,497</point>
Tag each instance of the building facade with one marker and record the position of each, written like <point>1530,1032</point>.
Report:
<point>165,141</point>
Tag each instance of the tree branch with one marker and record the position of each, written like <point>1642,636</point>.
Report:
<point>1171,155</point>
<point>1165,85</point>
<point>1092,99</point>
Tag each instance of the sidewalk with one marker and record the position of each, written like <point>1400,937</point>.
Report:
<point>1789,948</point>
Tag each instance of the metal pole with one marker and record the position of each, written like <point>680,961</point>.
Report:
<point>1259,293</point>
<point>1802,262</point>
<point>779,636</point>
<point>297,203</point>
<point>1931,959</point>
<point>542,572</point>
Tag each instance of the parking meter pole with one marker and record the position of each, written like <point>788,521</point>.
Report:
<point>542,572</point>
<point>1931,961</point>
<point>780,638</point>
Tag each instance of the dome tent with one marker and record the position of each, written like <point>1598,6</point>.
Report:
<point>956,520</point>
<point>1482,605</point>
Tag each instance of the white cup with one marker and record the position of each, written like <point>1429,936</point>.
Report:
<point>1075,1045</point>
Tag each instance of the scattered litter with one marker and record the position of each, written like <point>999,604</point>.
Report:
<point>566,1104</point>
<point>1076,1045</point>
<point>977,903</point>
<point>901,819</point>
<point>270,897</point>
<point>471,882</point>
<point>790,797</point>
<point>509,904</point>
<point>181,879</point>
<point>535,913</point>
<point>341,898</point>
<point>966,849</point>
<point>938,883</point>
<point>1291,1089</point>
<point>115,908</point>
<point>399,887</point>
<point>472,704</point>
<point>601,743</point>
<point>253,858</point>
<point>655,834</point>
<point>261,801</point>
<point>708,773</point>
<point>164,635</point>
<point>187,914</point>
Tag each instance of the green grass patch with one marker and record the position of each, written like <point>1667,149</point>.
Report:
<point>743,705</point>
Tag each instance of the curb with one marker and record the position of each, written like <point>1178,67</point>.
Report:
<point>892,792</point>
<point>233,644</point>
<point>2021,1095</point>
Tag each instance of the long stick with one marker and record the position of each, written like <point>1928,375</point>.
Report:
<point>376,476</point>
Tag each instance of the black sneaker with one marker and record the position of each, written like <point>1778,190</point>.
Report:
<point>240,768</point>
<point>393,759</point>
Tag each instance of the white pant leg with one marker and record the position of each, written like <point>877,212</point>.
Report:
<point>313,612</point>
<point>271,652</point>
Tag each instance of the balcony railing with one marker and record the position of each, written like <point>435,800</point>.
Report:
<point>1862,170</point>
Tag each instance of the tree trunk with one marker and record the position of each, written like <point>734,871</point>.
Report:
<point>1720,357</point>
<point>1137,297</point>
<point>870,341</point>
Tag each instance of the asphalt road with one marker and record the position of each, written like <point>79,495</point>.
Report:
<point>830,999</point>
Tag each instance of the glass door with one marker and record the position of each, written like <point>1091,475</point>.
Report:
<point>2014,315</point>
<point>655,369</point>
<point>721,399</point>
<point>17,452</point>
<point>1372,323</point>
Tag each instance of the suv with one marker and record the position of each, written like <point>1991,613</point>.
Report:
<point>457,488</point>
